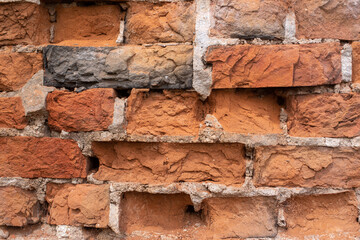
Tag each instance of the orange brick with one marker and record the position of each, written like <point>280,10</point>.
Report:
<point>12,113</point>
<point>32,157</point>
<point>356,62</point>
<point>90,110</point>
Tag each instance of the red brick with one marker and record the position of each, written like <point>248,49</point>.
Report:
<point>78,205</point>
<point>18,68</point>
<point>327,19</point>
<point>90,110</point>
<point>175,113</point>
<point>18,207</point>
<point>24,23</point>
<point>96,24</point>
<point>32,157</point>
<point>324,115</point>
<point>254,66</point>
<point>296,166</point>
<point>157,163</point>
<point>245,112</point>
<point>160,22</point>
<point>356,62</point>
<point>241,217</point>
<point>325,216</point>
<point>12,113</point>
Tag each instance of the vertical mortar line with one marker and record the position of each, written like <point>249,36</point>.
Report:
<point>249,158</point>
<point>290,27</point>
<point>121,37</point>
<point>283,121</point>
<point>346,63</point>
<point>115,210</point>
<point>357,192</point>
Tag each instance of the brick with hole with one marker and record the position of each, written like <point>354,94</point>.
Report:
<point>18,207</point>
<point>32,157</point>
<point>159,163</point>
<point>12,113</point>
<point>78,205</point>
<point>24,23</point>
<point>90,110</point>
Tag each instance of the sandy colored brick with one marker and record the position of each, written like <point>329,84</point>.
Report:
<point>174,113</point>
<point>18,207</point>
<point>12,113</point>
<point>337,19</point>
<point>258,66</point>
<point>296,166</point>
<point>356,62</point>
<point>157,163</point>
<point>79,205</point>
<point>24,23</point>
<point>90,110</point>
<point>324,115</point>
<point>18,68</point>
<point>160,22</point>
<point>248,19</point>
<point>32,157</point>
<point>97,25</point>
<point>325,216</point>
<point>238,218</point>
<point>245,112</point>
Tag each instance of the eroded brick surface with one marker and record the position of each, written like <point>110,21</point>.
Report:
<point>324,115</point>
<point>18,68</point>
<point>160,22</point>
<point>241,217</point>
<point>327,19</point>
<point>18,207</point>
<point>24,23</point>
<point>252,66</point>
<point>79,205</point>
<point>131,162</point>
<point>90,110</point>
<point>12,113</point>
<point>248,19</point>
<point>32,157</point>
<point>298,166</point>
<point>356,62</point>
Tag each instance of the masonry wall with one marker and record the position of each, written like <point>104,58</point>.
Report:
<point>202,119</point>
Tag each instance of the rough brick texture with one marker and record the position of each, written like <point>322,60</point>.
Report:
<point>32,157</point>
<point>24,23</point>
<point>18,207</point>
<point>324,115</point>
<point>160,22</point>
<point>90,110</point>
<point>78,205</point>
<point>18,68</point>
<point>12,113</point>
<point>248,19</point>
<point>122,67</point>
<point>327,19</point>
<point>356,62</point>
<point>249,66</point>
<point>167,162</point>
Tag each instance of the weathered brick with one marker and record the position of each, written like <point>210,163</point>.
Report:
<point>307,166</point>
<point>175,113</point>
<point>121,67</point>
<point>356,62</point>
<point>12,113</point>
<point>254,66</point>
<point>327,19</point>
<point>324,115</point>
<point>24,23</point>
<point>245,112</point>
<point>154,212</point>
<point>90,110</point>
<point>248,19</point>
<point>79,205</point>
<point>157,163</point>
<point>18,207</point>
<point>96,25</point>
<point>241,217</point>
<point>17,68</point>
<point>325,216</point>
<point>32,157</point>
<point>160,22</point>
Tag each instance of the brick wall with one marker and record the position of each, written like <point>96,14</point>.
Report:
<point>174,119</point>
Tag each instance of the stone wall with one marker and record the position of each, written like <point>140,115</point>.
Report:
<point>174,119</point>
